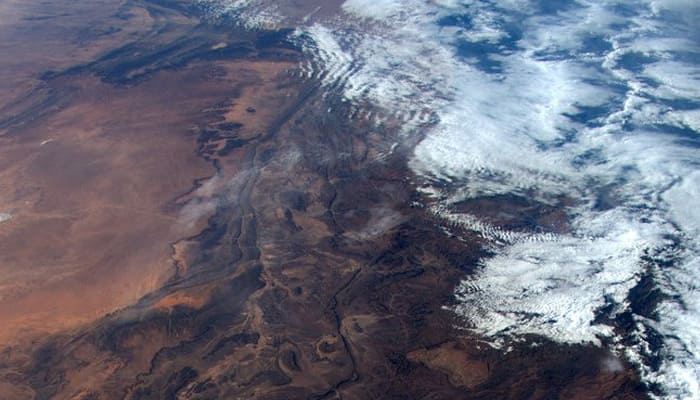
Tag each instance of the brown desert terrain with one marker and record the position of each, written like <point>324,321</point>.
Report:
<point>184,219</point>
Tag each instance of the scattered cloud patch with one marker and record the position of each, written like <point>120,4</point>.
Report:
<point>5,217</point>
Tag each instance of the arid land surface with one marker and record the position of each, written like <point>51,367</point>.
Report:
<point>186,216</point>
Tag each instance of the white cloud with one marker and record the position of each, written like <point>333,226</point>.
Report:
<point>374,9</point>
<point>580,103</point>
<point>566,113</point>
<point>252,14</point>
<point>5,217</point>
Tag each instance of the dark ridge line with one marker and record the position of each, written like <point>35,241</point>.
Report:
<point>385,279</point>
<point>244,251</point>
<point>155,7</point>
<point>50,101</point>
<point>247,253</point>
<point>333,307</point>
<point>187,48</point>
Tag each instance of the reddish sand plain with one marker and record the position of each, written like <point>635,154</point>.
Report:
<point>91,187</point>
